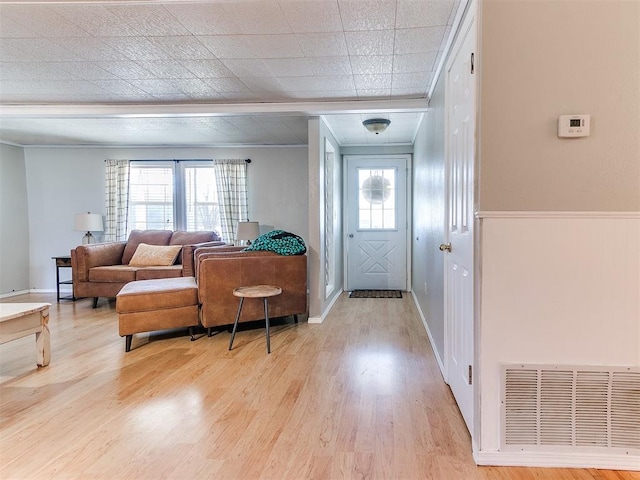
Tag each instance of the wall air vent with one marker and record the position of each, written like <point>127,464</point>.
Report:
<point>550,406</point>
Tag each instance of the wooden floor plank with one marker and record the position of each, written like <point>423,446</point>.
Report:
<point>359,396</point>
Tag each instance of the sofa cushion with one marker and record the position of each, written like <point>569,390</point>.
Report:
<point>190,238</point>
<point>150,237</point>
<point>113,274</point>
<point>149,273</point>
<point>154,255</point>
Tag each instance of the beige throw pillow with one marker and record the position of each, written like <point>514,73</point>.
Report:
<point>155,255</point>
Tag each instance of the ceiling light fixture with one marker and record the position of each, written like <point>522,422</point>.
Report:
<point>376,125</point>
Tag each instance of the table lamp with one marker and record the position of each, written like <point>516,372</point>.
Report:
<point>88,222</point>
<point>247,231</point>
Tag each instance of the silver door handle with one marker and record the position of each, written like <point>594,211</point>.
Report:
<point>445,247</point>
<point>351,235</point>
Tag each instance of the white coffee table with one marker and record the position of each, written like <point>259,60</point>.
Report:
<point>18,320</point>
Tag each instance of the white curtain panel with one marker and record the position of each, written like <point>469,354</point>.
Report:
<point>231,183</point>
<point>116,199</point>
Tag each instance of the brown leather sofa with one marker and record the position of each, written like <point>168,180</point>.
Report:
<point>222,269</point>
<point>102,269</point>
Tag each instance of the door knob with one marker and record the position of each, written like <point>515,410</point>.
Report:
<point>351,235</point>
<point>445,247</point>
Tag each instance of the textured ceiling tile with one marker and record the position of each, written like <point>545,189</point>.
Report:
<point>289,67</point>
<point>227,85</point>
<point>421,13</point>
<point>119,87</point>
<point>32,70</point>
<point>322,44</point>
<point>182,47</point>
<point>322,84</point>
<point>372,82</point>
<point>199,89</point>
<point>149,19</point>
<point>33,17</point>
<point>258,17</point>
<point>137,48</point>
<point>229,46</point>
<point>379,92</point>
<point>85,71</point>
<point>418,40</point>
<point>330,65</point>
<point>411,80</point>
<point>262,84</point>
<point>156,86</point>
<point>32,50</point>
<point>366,65</point>
<point>207,68</point>
<point>126,70</point>
<point>10,29</point>
<point>241,67</point>
<point>370,43</point>
<point>97,20</point>
<point>312,16</point>
<point>368,14</point>
<point>90,49</point>
<point>204,19</point>
<point>167,69</point>
<point>414,62</point>
<point>275,46</point>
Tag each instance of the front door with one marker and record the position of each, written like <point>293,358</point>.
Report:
<point>459,244</point>
<point>376,222</point>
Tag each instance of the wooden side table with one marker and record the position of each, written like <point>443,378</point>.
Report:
<point>63,262</point>
<point>255,291</point>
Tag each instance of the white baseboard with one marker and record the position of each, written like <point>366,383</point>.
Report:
<point>431,341</point>
<point>559,460</point>
<point>321,318</point>
<point>14,294</point>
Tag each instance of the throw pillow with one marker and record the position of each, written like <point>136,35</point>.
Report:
<point>280,242</point>
<point>155,255</point>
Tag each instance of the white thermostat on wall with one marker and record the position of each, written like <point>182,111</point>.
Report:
<point>573,125</point>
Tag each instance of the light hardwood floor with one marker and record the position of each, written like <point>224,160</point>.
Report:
<point>358,397</point>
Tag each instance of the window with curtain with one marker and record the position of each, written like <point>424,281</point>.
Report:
<point>173,195</point>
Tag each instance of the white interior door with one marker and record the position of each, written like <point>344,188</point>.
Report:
<point>459,244</point>
<point>376,223</point>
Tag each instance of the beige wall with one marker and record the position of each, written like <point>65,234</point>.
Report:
<point>543,58</point>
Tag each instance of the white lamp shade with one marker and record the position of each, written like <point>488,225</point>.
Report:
<point>88,222</point>
<point>247,231</point>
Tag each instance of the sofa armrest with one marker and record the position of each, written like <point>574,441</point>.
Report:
<point>85,257</point>
<point>187,256</point>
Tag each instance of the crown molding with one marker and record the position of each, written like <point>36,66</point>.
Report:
<point>210,109</point>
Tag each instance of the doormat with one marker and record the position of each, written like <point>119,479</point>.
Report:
<point>376,294</point>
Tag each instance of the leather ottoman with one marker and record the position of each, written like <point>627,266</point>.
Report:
<point>148,305</point>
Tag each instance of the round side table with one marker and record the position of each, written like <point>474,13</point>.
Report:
<point>255,291</point>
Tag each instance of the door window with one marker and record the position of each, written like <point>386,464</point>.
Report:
<point>377,199</point>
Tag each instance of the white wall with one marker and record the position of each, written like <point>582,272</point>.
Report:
<point>65,181</point>
<point>428,220</point>
<point>318,304</point>
<point>556,290</point>
<point>14,221</point>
